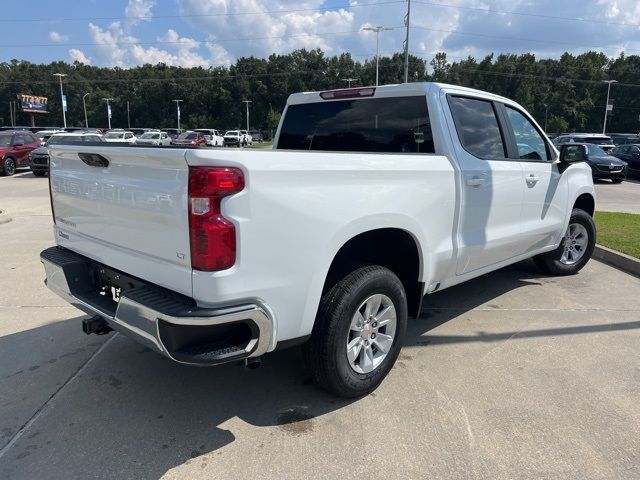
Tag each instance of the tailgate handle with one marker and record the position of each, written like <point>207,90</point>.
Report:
<point>94,159</point>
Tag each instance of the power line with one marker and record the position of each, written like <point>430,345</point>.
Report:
<point>205,15</point>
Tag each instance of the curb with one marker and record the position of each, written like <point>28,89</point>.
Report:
<point>4,217</point>
<point>617,260</point>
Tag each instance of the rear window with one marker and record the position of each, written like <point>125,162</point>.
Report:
<point>399,124</point>
<point>593,140</point>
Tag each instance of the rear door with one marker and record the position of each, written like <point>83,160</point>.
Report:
<point>125,207</point>
<point>545,190</point>
<point>492,186</point>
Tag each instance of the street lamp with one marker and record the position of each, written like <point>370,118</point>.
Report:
<point>247,102</point>
<point>377,30</point>
<point>108,110</point>
<point>349,80</point>
<point>62,98</point>
<point>84,106</point>
<point>178,111</point>
<point>606,107</point>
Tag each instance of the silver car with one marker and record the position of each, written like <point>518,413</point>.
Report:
<point>154,138</point>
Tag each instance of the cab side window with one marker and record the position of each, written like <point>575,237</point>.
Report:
<point>477,126</point>
<point>530,144</point>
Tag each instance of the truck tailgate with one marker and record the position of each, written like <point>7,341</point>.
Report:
<point>125,207</point>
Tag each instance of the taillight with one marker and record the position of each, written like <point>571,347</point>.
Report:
<point>212,237</point>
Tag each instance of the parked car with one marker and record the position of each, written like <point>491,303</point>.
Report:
<point>247,139</point>
<point>603,165</point>
<point>256,136</point>
<point>603,141</point>
<point>624,138</point>
<point>629,153</point>
<point>141,131</point>
<point>44,135</point>
<point>39,158</point>
<point>194,139</point>
<point>172,132</point>
<point>120,136</point>
<point>154,137</point>
<point>371,198</point>
<point>233,138</point>
<point>213,136</point>
<point>14,150</point>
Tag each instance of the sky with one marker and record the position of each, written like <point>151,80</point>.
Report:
<point>126,33</point>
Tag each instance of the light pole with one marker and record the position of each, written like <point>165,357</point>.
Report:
<point>62,98</point>
<point>247,102</point>
<point>377,30</point>
<point>606,107</point>
<point>349,80</point>
<point>546,111</point>
<point>407,19</point>
<point>84,106</point>
<point>108,110</point>
<point>178,110</point>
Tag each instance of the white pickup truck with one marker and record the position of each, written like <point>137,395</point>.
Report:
<point>370,199</point>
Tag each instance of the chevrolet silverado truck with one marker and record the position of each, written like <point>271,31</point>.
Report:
<point>370,199</point>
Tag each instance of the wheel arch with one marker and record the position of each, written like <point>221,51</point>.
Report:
<point>391,247</point>
<point>586,202</point>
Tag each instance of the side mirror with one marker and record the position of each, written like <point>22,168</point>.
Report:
<point>573,153</point>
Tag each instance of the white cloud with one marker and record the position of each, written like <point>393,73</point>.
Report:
<point>79,56</point>
<point>138,11</point>
<point>57,37</point>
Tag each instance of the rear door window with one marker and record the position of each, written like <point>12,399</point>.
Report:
<point>529,141</point>
<point>477,127</point>
<point>393,125</point>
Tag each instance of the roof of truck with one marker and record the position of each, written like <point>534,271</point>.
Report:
<point>394,90</point>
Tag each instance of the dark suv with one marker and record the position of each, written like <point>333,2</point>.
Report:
<point>14,150</point>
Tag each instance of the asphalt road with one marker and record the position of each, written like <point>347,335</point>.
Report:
<point>513,375</point>
<point>622,197</point>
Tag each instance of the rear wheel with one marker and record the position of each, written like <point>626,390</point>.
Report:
<point>9,167</point>
<point>358,332</point>
<point>576,247</point>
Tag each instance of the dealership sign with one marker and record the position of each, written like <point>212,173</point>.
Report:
<point>32,104</point>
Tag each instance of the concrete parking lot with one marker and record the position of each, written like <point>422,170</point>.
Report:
<point>513,375</point>
<point>622,197</point>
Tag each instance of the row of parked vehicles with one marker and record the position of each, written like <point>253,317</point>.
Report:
<point>24,148</point>
<point>610,157</point>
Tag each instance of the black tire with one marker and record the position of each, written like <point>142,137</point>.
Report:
<point>550,262</point>
<point>39,173</point>
<point>617,180</point>
<point>325,352</point>
<point>9,167</point>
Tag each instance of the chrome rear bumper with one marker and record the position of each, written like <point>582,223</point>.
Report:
<point>167,322</point>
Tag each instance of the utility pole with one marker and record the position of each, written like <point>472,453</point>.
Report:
<point>84,106</point>
<point>247,102</point>
<point>349,80</point>
<point>407,19</point>
<point>377,30</point>
<point>63,99</point>
<point>128,119</point>
<point>108,110</point>
<point>178,110</point>
<point>606,107</point>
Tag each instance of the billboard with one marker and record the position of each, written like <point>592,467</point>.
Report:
<point>32,103</point>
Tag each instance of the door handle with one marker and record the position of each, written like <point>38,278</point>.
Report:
<point>475,181</point>
<point>533,178</point>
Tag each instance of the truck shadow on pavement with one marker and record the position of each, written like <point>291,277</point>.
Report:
<point>130,413</point>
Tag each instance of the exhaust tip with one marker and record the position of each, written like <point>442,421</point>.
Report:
<point>252,363</point>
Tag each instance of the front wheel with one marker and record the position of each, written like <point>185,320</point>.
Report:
<point>358,333</point>
<point>617,180</point>
<point>576,247</point>
<point>39,173</point>
<point>9,167</point>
